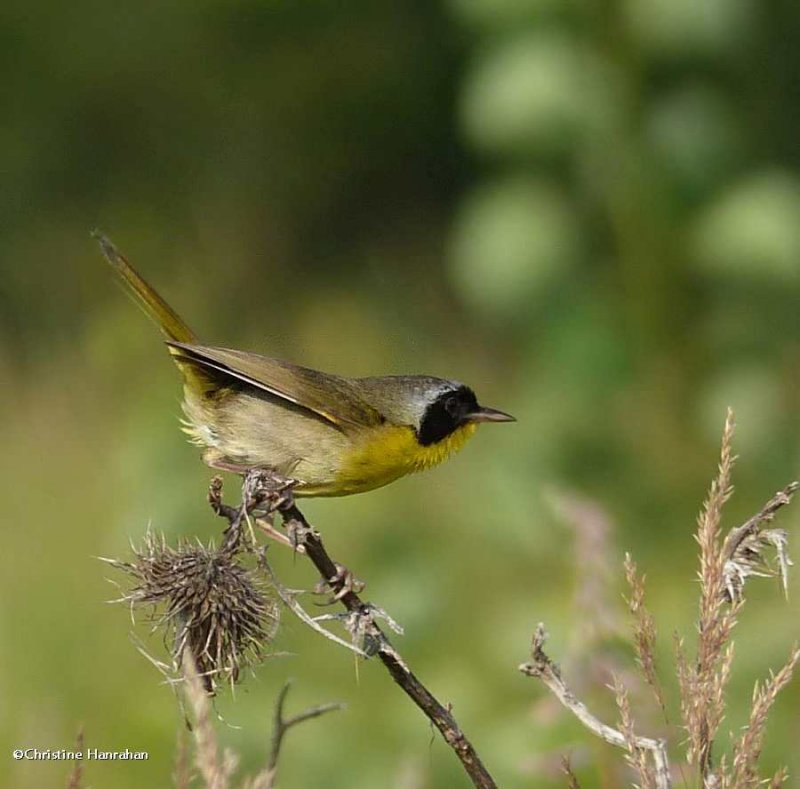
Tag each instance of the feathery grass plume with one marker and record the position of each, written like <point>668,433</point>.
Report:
<point>213,606</point>
<point>644,631</point>
<point>704,684</point>
<point>747,749</point>
<point>635,756</point>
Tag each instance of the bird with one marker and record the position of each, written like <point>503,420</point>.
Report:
<point>332,435</point>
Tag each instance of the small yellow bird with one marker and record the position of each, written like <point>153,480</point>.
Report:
<point>335,435</point>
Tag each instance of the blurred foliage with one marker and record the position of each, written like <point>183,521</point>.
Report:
<point>589,211</point>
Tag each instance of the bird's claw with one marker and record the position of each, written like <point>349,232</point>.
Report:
<point>342,583</point>
<point>265,491</point>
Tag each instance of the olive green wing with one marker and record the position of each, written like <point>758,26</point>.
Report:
<point>328,396</point>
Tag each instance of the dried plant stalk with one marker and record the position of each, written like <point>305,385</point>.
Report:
<point>566,768</point>
<point>543,668</point>
<point>726,562</point>
<point>216,769</point>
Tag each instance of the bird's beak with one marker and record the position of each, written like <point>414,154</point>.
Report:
<point>490,415</point>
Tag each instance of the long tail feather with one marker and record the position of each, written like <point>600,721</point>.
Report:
<point>171,324</point>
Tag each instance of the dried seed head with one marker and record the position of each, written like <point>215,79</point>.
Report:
<point>751,558</point>
<point>209,603</point>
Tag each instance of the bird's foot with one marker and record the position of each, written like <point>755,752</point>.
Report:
<point>340,584</point>
<point>264,491</point>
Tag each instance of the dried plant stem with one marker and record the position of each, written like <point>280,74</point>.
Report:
<point>215,769</point>
<point>566,768</point>
<point>281,725</point>
<point>181,774</point>
<point>262,488</point>
<point>543,668</point>
<point>289,600</point>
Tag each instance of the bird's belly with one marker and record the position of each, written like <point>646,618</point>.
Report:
<point>249,431</point>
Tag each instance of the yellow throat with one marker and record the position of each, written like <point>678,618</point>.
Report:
<point>391,452</point>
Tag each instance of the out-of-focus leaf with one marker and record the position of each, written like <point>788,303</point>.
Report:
<point>511,241</point>
<point>537,94</point>
<point>752,231</point>
<point>696,134</point>
<point>500,14</point>
<point>754,393</point>
<point>680,28</point>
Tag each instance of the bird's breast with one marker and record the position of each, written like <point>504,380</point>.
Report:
<point>384,454</point>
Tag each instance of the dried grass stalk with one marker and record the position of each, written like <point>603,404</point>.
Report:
<point>747,749</point>
<point>703,686</point>
<point>644,631</point>
<point>636,757</point>
<point>566,768</point>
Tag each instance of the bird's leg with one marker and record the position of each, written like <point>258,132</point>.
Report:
<point>265,490</point>
<point>233,533</point>
<point>298,529</point>
<point>262,493</point>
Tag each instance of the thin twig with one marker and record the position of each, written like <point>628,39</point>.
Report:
<point>543,668</point>
<point>282,725</point>
<point>262,489</point>
<point>291,603</point>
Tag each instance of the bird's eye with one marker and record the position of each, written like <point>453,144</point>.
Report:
<point>451,406</point>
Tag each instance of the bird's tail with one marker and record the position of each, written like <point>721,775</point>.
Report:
<point>171,324</point>
<point>198,382</point>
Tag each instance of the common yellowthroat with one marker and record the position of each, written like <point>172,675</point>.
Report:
<point>335,435</point>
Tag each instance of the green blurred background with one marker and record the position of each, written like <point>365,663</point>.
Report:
<point>589,211</point>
